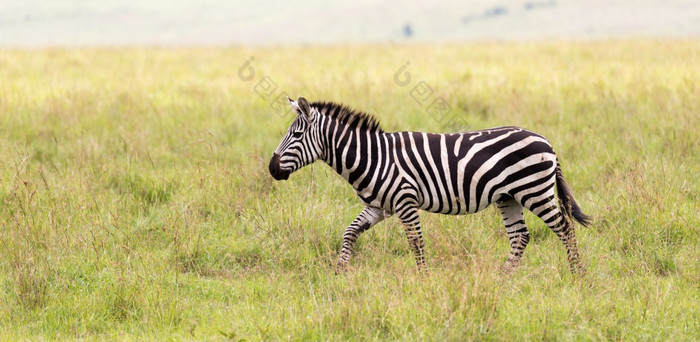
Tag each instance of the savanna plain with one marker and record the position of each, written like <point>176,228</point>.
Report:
<point>135,201</point>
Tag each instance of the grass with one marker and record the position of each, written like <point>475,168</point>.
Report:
<point>135,201</point>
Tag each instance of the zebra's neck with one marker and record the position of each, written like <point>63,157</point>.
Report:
<point>353,152</point>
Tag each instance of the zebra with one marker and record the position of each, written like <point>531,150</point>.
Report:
<point>455,174</point>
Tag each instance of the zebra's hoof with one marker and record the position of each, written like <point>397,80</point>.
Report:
<point>509,267</point>
<point>341,268</point>
<point>423,271</point>
<point>578,271</point>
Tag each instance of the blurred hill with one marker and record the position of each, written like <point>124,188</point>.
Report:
<point>217,22</point>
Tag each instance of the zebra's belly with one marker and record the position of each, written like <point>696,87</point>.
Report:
<point>453,206</point>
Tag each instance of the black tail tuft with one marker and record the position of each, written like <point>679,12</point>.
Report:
<point>567,202</point>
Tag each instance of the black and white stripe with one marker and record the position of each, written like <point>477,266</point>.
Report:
<point>457,173</point>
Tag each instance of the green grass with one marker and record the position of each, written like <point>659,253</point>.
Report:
<point>135,201</point>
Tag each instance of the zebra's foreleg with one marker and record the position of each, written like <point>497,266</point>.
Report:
<point>411,222</point>
<point>512,213</point>
<point>367,218</point>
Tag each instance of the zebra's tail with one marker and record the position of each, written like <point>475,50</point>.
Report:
<point>567,203</point>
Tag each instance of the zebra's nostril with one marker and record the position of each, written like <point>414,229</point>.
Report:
<point>274,164</point>
<point>275,170</point>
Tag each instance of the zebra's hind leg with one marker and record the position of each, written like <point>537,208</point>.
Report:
<point>547,210</point>
<point>411,222</point>
<point>365,220</point>
<point>512,213</point>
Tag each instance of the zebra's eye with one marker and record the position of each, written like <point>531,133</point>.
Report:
<point>297,134</point>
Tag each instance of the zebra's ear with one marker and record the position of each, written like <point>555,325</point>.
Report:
<point>295,106</point>
<point>304,107</point>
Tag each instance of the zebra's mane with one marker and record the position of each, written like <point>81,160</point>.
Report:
<point>348,116</point>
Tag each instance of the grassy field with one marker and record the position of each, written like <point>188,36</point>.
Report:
<point>135,201</point>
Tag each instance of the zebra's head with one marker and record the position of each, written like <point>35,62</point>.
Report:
<point>300,146</point>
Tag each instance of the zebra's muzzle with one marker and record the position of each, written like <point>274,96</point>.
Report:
<point>275,170</point>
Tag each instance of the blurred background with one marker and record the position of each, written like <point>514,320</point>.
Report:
<point>30,23</point>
